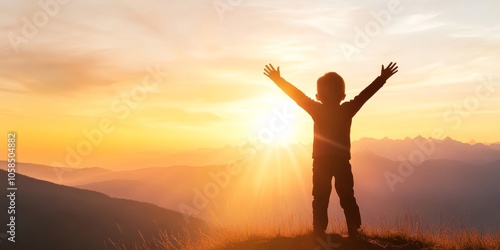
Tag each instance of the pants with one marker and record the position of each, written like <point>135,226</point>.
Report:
<point>324,168</point>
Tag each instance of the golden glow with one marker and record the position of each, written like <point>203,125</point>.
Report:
<point>205,86</point>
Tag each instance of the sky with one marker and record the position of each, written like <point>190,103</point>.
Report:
<point>119,79</point>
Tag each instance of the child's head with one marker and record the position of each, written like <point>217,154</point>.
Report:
<point>331,88</point>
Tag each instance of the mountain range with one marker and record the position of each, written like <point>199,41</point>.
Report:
<point>442,181</point>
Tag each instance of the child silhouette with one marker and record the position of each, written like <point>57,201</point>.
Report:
<point>332,143</point>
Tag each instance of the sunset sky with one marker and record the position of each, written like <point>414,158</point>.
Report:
<point>74,67</point>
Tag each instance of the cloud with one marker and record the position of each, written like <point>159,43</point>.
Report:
<point>417,23</point>
<point>51,71</point>
<point>93,51</point>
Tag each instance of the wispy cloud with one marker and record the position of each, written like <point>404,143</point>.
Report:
<point>417,23</point>
<point>53,71</point>
<point>93,51</point>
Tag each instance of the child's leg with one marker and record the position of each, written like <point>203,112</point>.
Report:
<point>344,185</point>
<point>322,187</point>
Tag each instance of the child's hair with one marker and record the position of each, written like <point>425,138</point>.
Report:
<point>331,86</point>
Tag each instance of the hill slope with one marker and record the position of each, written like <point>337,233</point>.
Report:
<point>328,242</point>
<point>51,216</point>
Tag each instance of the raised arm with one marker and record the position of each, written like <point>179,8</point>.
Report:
<point>293,92</point>
<point>369,91</point>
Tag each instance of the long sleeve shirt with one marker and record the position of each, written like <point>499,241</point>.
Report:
<point>332,122</point>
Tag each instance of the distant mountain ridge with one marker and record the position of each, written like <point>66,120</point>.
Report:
<point>447,148</point>
<point>60,175</point>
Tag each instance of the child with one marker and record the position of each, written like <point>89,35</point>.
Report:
<point>332,143</point>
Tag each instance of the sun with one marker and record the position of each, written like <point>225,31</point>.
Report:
<point>285,137</point>
<point>276,127</point>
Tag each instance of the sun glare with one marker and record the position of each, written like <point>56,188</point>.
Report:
<point>277,124</point>
<point>285,137</point>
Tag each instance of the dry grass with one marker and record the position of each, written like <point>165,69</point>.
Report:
<point>411,228</point>
<point>407,229</point>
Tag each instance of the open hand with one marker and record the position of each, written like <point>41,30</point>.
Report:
<point>389,71</point>
<point>272,73</point>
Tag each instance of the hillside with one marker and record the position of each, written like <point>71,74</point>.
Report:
<point>51,216</point>
<point>381,238</point>
<point>328,242</point>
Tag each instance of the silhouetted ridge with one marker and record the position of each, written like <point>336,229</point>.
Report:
<point>51,216</point>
